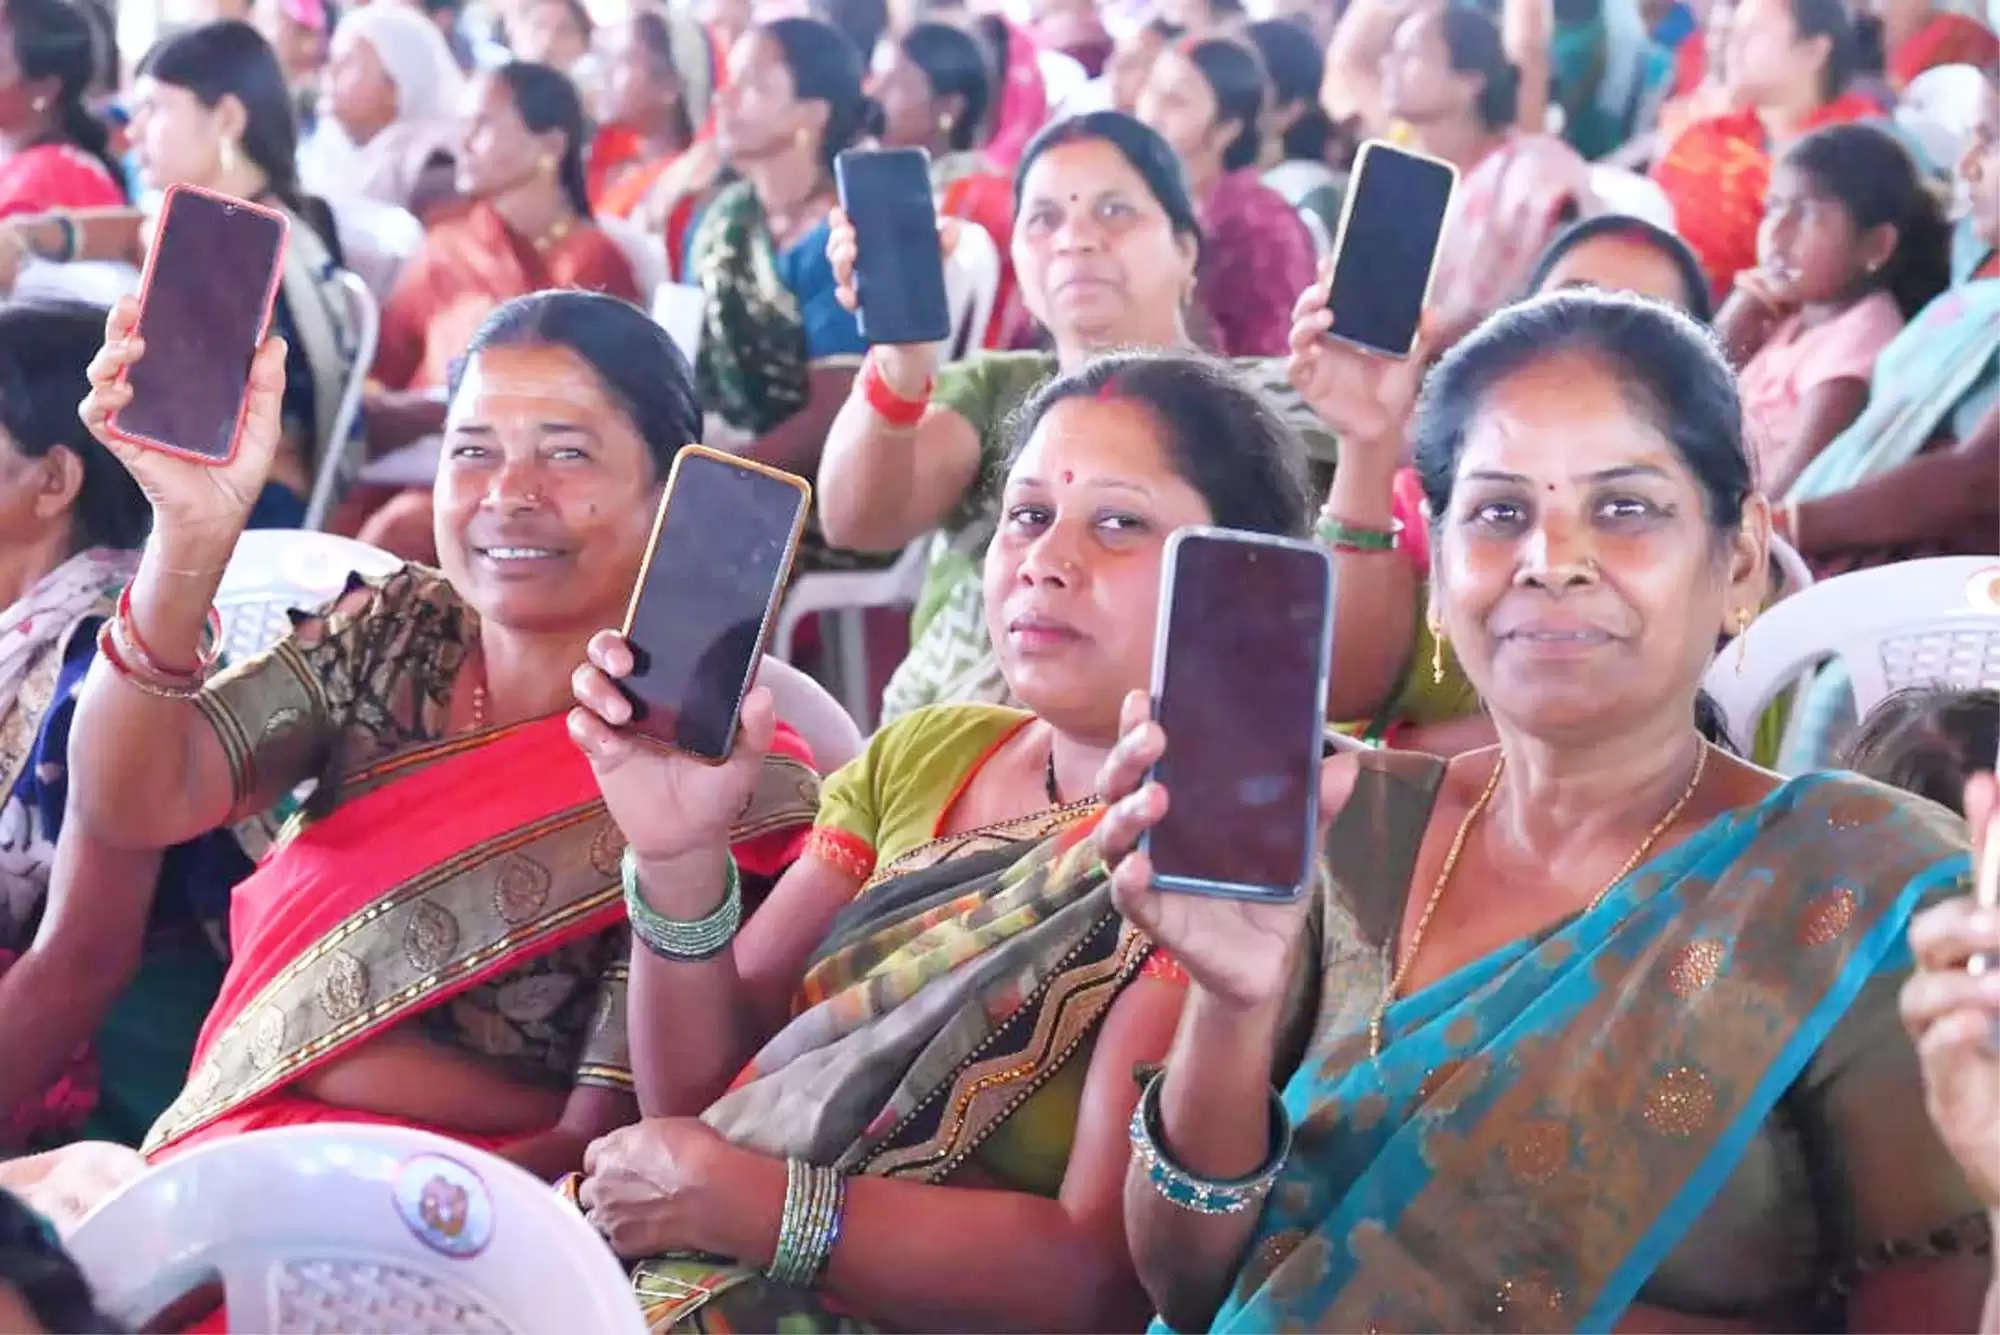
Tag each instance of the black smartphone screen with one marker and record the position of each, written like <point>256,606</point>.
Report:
<point>1388,244</point>
<point>898,267</point>
<point>719,565</point>
<point>1241,693</point>
<point>207,298</point>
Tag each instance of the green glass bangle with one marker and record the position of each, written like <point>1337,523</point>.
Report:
<point>1350,538</point>
<point>1199,1194</point>
<point>675,939</point>
<point>815,1200</point>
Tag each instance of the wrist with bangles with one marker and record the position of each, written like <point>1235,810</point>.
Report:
<point>683,940</point>
<point>1190,1191</point>
<point>1342,536</point>
<point>887,402</point>
<point>125,651</point>
<point>809,1227</point>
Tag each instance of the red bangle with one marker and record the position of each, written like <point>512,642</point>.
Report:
<point>886,403</point>
<point>185,688</point>
<point>148,661</point>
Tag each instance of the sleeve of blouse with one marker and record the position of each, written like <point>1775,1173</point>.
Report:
<point>849,822</point>
<point>1888,1186</point>
<point>606,1058</point>
<point>399,349</point>
<point>831,330</point>
<point>1852,343</point>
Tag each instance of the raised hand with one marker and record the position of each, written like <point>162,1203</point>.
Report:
<point>1240,951</point>
<point>206,502</point>
<point>1367,399</point>
<point>1954,1015</point>
<point>668,804</point>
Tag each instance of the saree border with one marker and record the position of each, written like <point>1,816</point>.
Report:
<point>947,1126</point>
<point>23,723</point>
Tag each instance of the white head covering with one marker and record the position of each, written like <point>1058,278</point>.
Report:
<point>413,54</point>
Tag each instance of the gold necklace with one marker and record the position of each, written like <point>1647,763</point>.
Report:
<point>1451,857</point>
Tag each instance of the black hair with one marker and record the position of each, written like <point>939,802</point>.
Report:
<point>955,67</point>
<point>1872,176</point>
<point>581,17</point>
<point>657,37</point>
<point>1297,68</point>
<point>44,348</point>
<point>826,67</point>
<point>1475,45</point>
<point>34,1264</point>
<point>1697,300</point>
<point>1139,144</point>
<point>54,39</point>
<point>1236,77</point>
<point>1829,19</point>
<point>1929,741</point>
<point>1664,362</point>
<point>229,58</point>
<point>1221,436</point>
<point>642,368</point>
<point>863,21</point>
<point>546,100</point>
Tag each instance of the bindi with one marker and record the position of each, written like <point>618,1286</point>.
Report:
<point>1068,477</point>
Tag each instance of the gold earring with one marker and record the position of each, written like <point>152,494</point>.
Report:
<point>547,164</point>
<point>225,157</point>
<point>1437,655</point>
<point>1744,617</point>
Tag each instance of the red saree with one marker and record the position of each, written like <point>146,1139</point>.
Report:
<point>1948,39</point>
<point>444,866</point>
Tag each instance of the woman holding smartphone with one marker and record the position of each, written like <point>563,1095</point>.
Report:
<point>437,938</point>
<point>1587,1011</point>
<point>946,941</point>
<point>211,110</point>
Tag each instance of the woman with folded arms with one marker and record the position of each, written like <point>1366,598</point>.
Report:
<point>1593,1029</point>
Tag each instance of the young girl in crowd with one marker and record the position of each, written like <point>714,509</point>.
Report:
<point>1929,741</point>
<point>1851,245</point>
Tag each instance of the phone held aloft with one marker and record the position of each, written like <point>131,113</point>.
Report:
<point>1386,252</point>
<point>205,302</point>
<point>707,595</point>
<point>898,263</point>
<point>1242,760</point>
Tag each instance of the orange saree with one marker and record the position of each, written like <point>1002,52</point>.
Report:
<point>445,866</point>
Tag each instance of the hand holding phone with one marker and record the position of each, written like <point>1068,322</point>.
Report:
<point>898,262</point>
<point>1385,255</point>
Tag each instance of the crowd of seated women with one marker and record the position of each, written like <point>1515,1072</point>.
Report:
<point>1592,1016</point>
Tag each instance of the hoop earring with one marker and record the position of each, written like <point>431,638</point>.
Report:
<point>1743,619</point>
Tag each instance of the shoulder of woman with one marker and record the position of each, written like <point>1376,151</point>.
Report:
<point>1836,828</point>
<point>940,732</point>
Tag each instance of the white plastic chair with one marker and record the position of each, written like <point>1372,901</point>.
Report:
<point>971,287</point>
<point>1940,110</point>
<point>1914,623</point>
<point>647,254</point>
<point>364,318</point>
<point>276,570</point>
<point>366,1230</point>
<point>376,239</point>
<point>812,712</point>
<point>1619,190</point>
<point>843,595</point>
<point>93,282</point>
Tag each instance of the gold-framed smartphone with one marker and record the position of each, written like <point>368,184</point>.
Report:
<point>708,591</point>
<point>1386,253</point>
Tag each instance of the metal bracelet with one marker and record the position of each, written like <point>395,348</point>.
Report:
<point>815,1201</point>
<point>1199,1194</point>
<point>1343,536</point>
<point>684,941</point>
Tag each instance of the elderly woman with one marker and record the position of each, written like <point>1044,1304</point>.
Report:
<point>388,128</point>
<point>1571,1021</point>
<point>437,939</point>
<point>981,967</point>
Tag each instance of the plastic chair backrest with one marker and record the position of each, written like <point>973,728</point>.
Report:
<point>276,570</point>
<point>1940,109</point>
<point>812,712</point>
<point>376,238</point>
<point>647,254</point>
<point>971,286</point>
<point>337,455</point>
<point>1913,623</point>
<point>1621,191</point>
<point>361,1229</point>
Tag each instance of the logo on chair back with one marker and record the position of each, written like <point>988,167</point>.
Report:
<point>445,1204</point>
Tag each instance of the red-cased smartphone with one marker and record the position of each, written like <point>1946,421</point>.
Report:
<point>205,301</point>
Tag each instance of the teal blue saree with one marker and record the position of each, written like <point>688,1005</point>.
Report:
<point>1545,1127</point>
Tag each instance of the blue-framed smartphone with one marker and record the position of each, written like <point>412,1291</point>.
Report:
<point>1241,656</point>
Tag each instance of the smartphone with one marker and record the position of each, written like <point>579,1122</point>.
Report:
<point>898,265</point>
<point>714,572</point>
<point>204,303</point>
<point>1385,255</point>
<point>1240,661</point>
